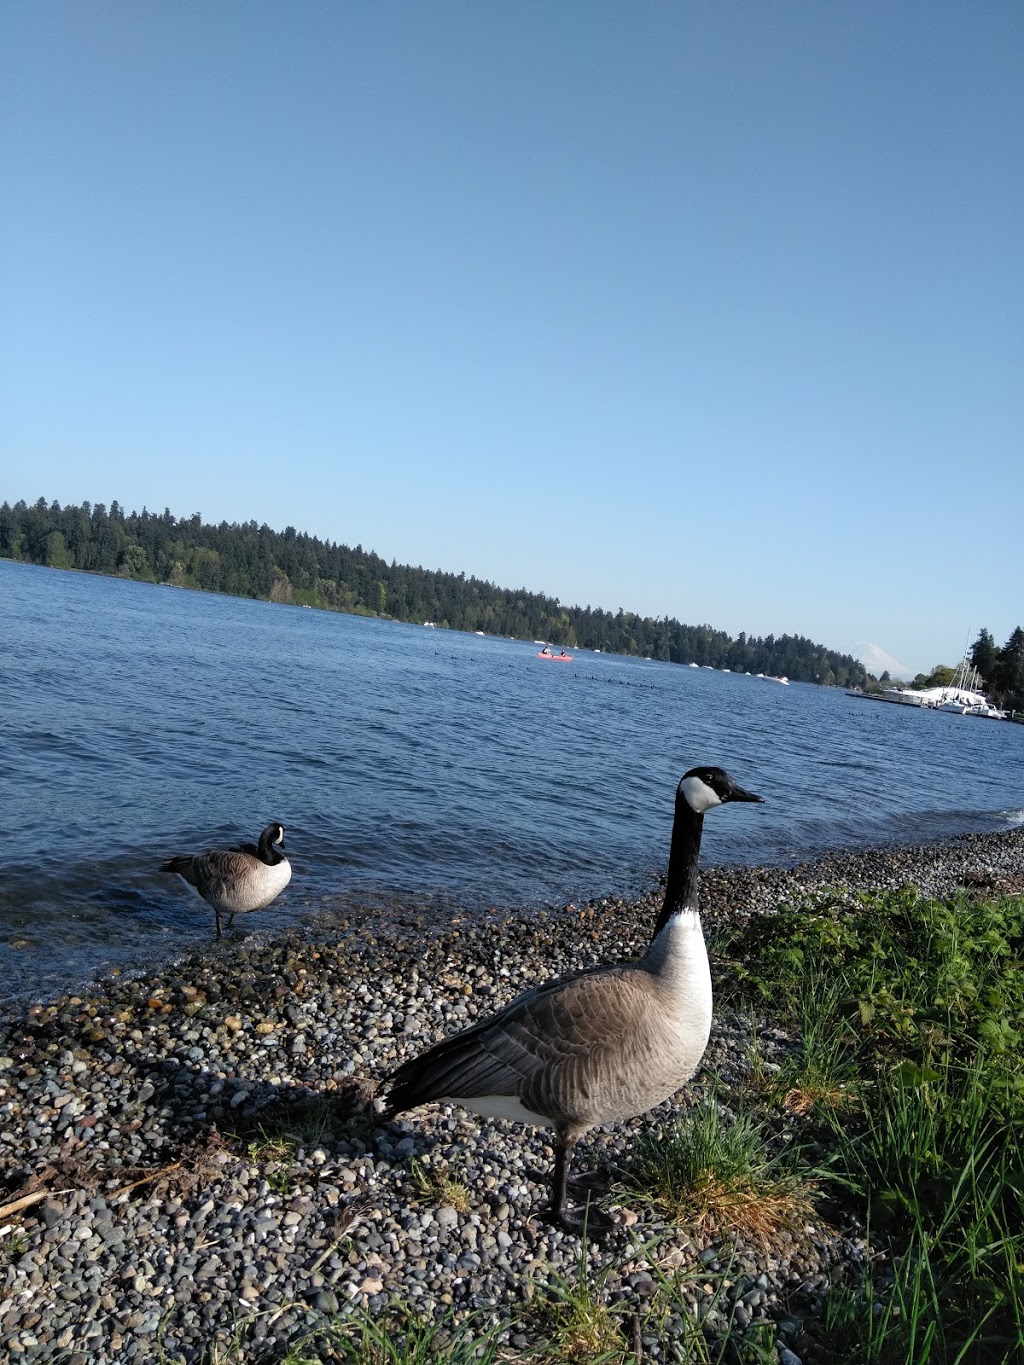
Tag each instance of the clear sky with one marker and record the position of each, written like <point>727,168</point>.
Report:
<point>709,310</point>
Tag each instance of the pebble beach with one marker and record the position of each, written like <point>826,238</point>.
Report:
<point>193,1169</point>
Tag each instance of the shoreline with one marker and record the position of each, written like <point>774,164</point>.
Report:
<point>330,916</point>
<point>147,1112</point>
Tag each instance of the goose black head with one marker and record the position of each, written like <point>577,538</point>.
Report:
<point>704,788</point>
<point>272,835</point>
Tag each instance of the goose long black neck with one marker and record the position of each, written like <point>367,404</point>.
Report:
<point>683,858</point>
<point>268,852</point>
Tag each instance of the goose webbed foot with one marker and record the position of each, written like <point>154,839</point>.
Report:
<point>588,1185</point>
<point>587,1221</point>
<point>582,1187</point>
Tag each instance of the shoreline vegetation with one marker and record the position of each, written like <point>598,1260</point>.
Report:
<point>194,1171</point>
<point>246,560</point>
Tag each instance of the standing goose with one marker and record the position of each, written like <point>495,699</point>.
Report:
<point>237,880</point>
<point>597,1046</point>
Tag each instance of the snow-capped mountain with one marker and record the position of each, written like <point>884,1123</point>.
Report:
<point>877,661</point>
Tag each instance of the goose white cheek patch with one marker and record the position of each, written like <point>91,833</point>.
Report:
<point>699,796</point>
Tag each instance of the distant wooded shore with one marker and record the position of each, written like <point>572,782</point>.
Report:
<point>246,560</point>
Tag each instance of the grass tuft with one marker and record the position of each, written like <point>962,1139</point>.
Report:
<point>281,1131</point>
<point>580,1326</point>
<point>718,1177</point>
<point>821,1079</point>
<point>401,1336</point>
<point>439,1187</point>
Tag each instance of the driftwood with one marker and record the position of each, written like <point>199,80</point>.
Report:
<point>27,1200</point>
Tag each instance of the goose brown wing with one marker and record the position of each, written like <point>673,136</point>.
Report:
<point>526,1050</point>
<point>219,874</point>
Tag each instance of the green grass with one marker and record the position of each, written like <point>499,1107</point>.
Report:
<point>911,1012</point>
<point>399,1337</point>
<point>12,1247</point>
<point>284,1129</point>
<point>438,1186</point>
<point>573,1315</point>
<point>922,1313</point>
<point>821,1079</point>
<point>715,1174</point>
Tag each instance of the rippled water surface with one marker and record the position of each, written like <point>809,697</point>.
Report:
<point>138,721</point>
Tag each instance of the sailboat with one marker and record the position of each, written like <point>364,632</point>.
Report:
<point>962,697</point>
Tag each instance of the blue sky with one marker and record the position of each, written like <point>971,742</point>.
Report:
<point>706,310</point>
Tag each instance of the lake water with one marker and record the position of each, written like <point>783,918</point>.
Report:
<point>137,721</point>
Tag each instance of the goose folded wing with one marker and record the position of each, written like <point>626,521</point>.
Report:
<point>220,873</point>
<point>553,1027</point>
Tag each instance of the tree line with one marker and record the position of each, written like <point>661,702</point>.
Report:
<point>1002,670</point>
<point>247,560</point>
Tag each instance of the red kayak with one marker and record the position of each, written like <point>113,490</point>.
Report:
<point>562,658</point>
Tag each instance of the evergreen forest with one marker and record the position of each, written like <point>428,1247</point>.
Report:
<point>247,560</point>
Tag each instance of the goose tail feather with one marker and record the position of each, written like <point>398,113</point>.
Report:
<point>456,1067</point>
<point>182,865</point>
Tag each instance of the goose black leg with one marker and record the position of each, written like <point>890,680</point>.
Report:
<point>558,1178</point>
<point>591,1184</point>
<point>588,1221</point>
<point>216,916</point>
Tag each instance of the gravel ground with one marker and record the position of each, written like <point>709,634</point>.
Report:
<point>174,1221</point>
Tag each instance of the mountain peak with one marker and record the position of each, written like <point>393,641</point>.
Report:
<point>877,661</point>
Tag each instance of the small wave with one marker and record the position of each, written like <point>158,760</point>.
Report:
<point>396,772</point>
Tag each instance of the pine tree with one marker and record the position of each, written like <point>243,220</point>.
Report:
<point>1009,671</point>
<point>984,655</point>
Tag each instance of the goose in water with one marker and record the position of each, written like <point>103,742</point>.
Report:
<point>597,1046</point>
<point>237,880</point>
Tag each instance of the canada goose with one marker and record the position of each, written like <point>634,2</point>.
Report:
<point>237,880</point>
<point>597,1046</point>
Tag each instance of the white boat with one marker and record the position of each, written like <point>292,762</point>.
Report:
<point>988,710</point>
<point>907,697</point>
<point>959,698</point>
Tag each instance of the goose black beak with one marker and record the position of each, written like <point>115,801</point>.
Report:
<point>740,794</point>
